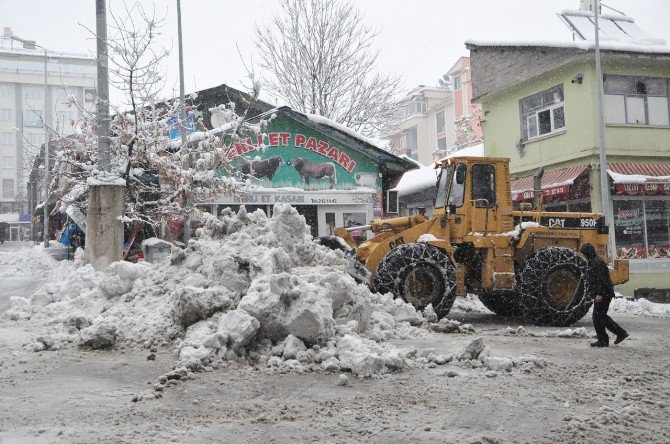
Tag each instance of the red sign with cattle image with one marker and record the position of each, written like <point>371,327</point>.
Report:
<point>290,154</point>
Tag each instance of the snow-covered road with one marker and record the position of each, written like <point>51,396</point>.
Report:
<point>187,362</point>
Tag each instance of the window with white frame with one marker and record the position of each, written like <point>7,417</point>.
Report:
<point>457,82</point>
<point>543,113</point>
<point>416,105</point>
<point>412,147</point>
<point>32,119</point>
<point>7,188</point>
<point>35,139</point>
<point>32,92</point>
<point>442,144</point>
<point>6,90</point>
<point>7,139</point>
<point>6,115</point>
<point>636,101</point>
<point>439,122</point>
<point>7,162</point>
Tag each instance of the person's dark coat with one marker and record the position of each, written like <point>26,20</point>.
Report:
<point>597,280</point>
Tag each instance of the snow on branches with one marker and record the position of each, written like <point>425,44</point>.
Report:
<point>162,177</point>
<point>320,57</point>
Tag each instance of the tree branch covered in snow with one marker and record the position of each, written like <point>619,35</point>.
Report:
<point>320,56</point>
<point>162,178</point>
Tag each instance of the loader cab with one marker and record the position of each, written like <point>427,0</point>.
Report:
<point>473,193</point>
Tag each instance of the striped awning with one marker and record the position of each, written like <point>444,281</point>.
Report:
<point>553,183</point>
<point>640,179</point>
<point>639,172</point>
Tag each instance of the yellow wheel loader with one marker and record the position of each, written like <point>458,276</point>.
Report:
<point>519,262</point>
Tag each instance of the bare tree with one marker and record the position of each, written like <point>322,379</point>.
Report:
<point>163,178</point>
<point>320,57</point>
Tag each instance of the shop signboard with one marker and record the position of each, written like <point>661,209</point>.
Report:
<point>290,154</point>
<point>548,192</point>
<point>302,198</point>
<point>642,189</point>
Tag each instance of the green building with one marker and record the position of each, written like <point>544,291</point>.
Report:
<point>539,103</point>
<point>332,175</point>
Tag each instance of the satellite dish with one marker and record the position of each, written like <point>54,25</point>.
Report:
<point>219,118</point>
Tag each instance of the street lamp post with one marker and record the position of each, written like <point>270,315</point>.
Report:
<point>46,136</point>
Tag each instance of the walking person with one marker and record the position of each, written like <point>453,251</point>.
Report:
<point>600,287</point>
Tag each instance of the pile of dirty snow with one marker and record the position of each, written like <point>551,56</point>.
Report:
<point>640,307</point>
<point>248,288</point>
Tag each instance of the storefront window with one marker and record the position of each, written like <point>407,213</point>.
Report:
<point>658,241</point>
<point>642,229</point>
<point>355,220</point>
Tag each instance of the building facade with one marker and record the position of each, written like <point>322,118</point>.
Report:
<point>330,174</point>
<point>71,79</point>
<point>435,121</point>
<point>540,109</point>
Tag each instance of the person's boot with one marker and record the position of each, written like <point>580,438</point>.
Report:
<point>621,337</point>
<point>600,344</point>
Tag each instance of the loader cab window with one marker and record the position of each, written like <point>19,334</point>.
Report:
<point>457,189</point>
<point>442,183</point>
<point>484,185</point>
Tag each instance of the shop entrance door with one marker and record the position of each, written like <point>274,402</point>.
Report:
<point>310,213</point>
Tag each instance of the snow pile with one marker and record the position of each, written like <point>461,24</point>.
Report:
<point>579,332</point>
<point>640,307</point>
<point>477,355</point>
<point>469,304</point>
<point>248,288</point>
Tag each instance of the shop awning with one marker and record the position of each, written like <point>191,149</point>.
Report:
<point>639,179</point>
<point>554,183</point>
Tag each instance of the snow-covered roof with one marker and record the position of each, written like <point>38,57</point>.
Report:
<point>617,33</point>
<point>414,161</point>
<point>469,151</point>
<point>584,45</point>
<point>38,52</point>
<point>379,143</point>
<point>638,173</point>
<point>416,180</point>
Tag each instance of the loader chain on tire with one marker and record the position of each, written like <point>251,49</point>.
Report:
<point>504,304</point>
<point>423,268</point>
<point>551,287</point>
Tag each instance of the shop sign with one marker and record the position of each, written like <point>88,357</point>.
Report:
<point>290,154</point>
<point>548,192</point>
<point>642,189</point>
<point>297,198</point>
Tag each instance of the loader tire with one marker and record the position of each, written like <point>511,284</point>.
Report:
<point>551,287</point>
<point>419,274</point>
<point>503,304</point>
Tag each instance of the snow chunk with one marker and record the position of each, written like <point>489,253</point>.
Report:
<point>100,335</point>
<point>239,326</point>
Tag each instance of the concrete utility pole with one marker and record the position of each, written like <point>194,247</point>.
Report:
<point>182,113</point>
<point>106,205</point>
<point>46,157</point>
<point>104,162</point>
<point>604,183</point>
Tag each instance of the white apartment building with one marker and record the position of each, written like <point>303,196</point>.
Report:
<point>71,78</point>
<point>427,124</point>
<point>438,120</point>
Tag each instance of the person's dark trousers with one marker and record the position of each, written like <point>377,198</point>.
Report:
<point>602,321</point>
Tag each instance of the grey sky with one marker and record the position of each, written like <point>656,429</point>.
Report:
<point>418,40</point>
